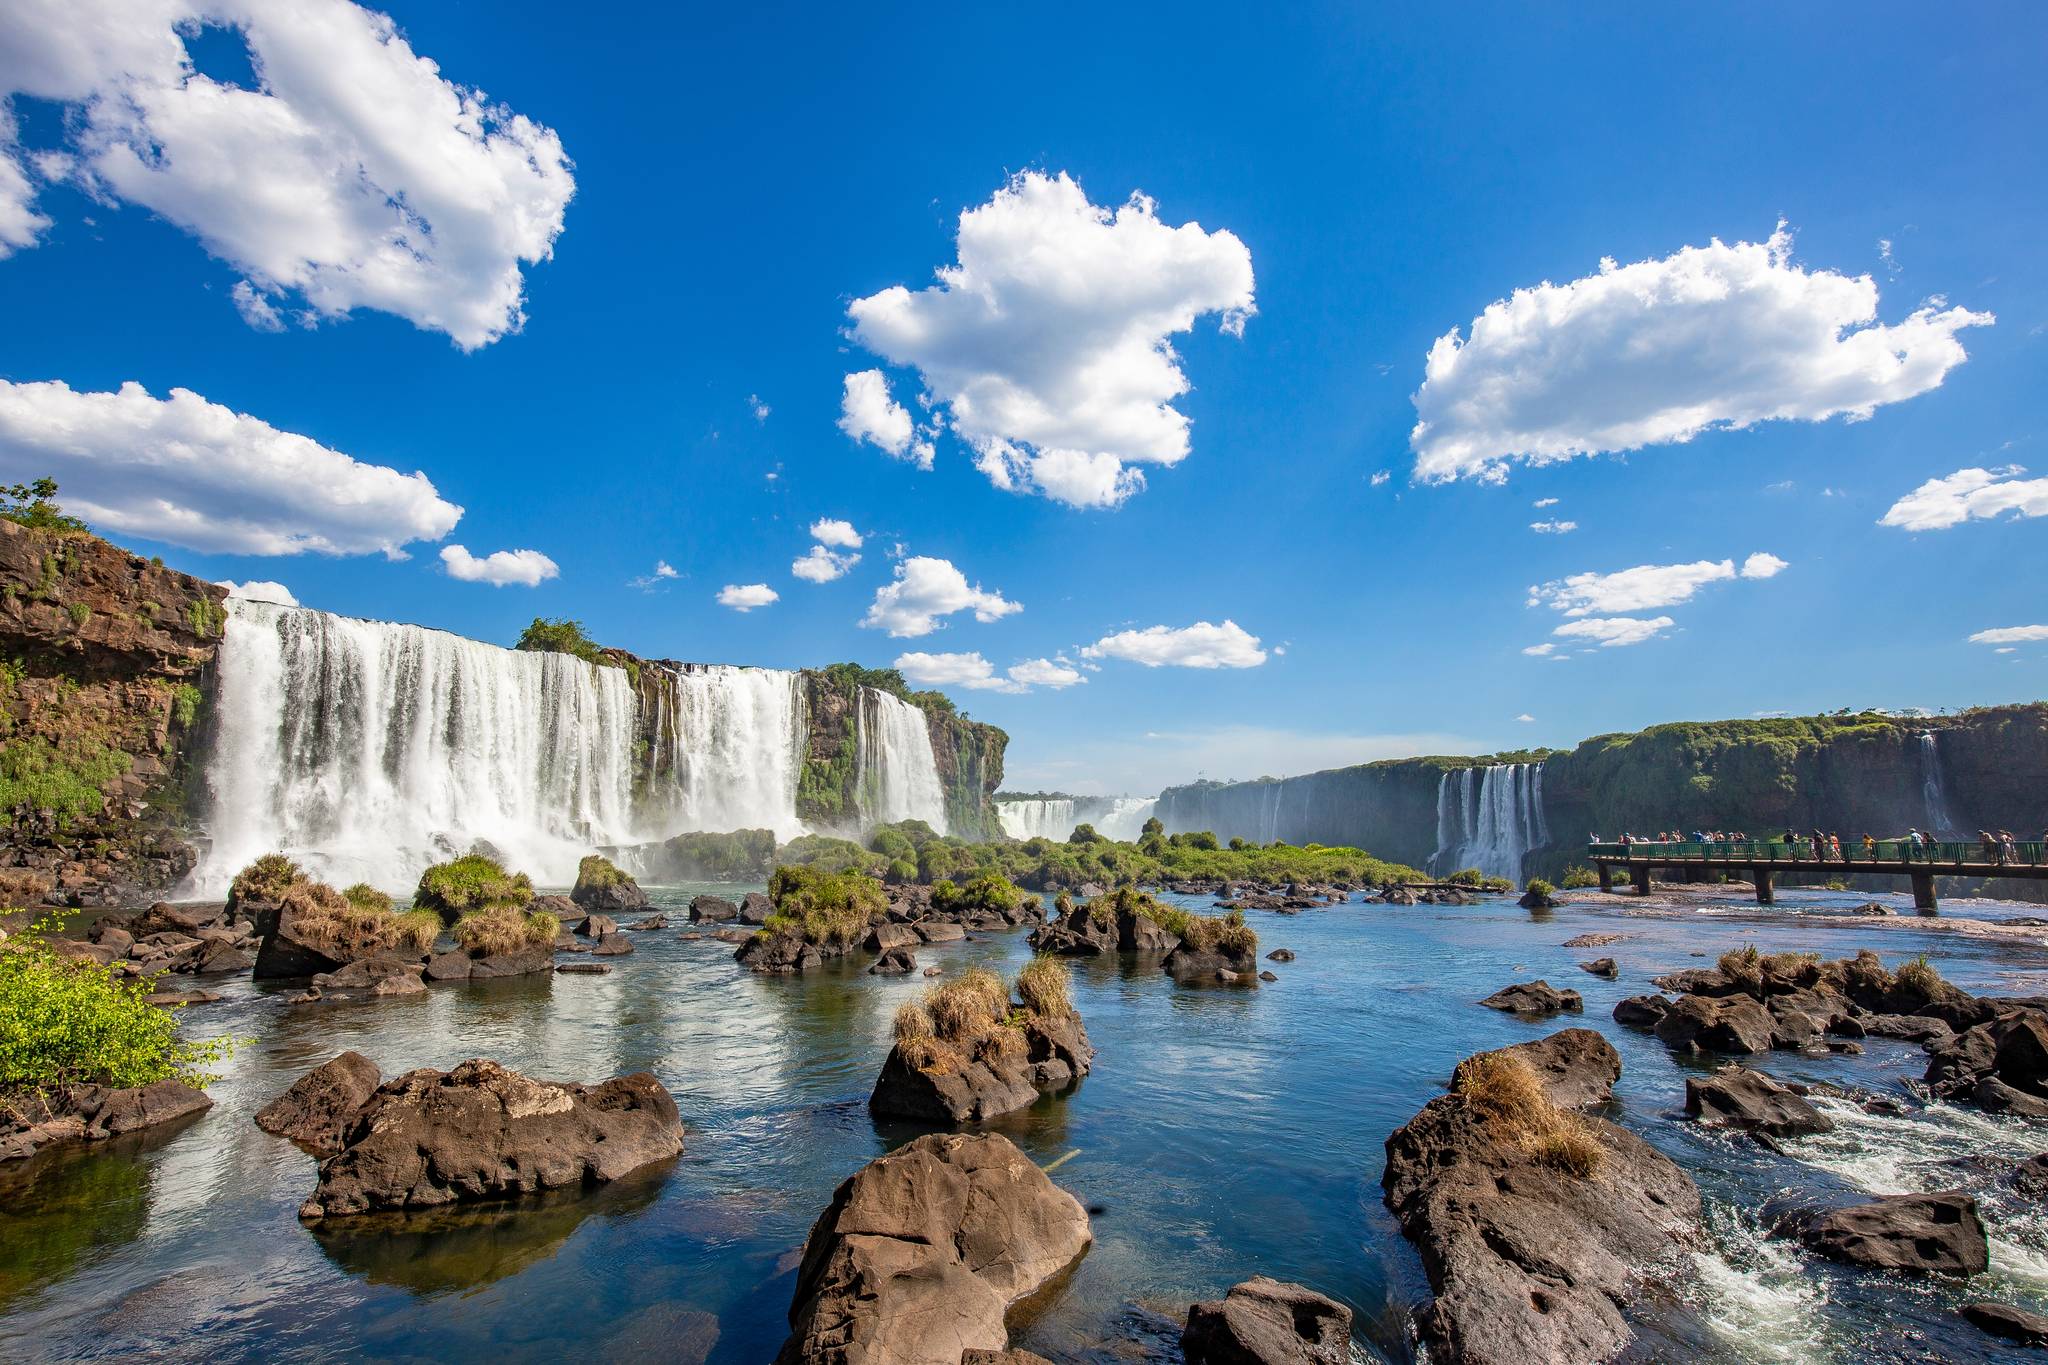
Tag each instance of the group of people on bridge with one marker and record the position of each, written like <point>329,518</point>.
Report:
<point>1820,846</point>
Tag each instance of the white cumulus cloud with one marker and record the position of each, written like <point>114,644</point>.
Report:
<point>189,472</point>
<point>1645,586</point>
<point>1046,673</point>
<point>821,565</point>
<point>1048,343</point>
<point>1542,503</point>
<point>1966,494</point>
<point>500,568</point>
<point>868,413</point>
<point>1200,645</point>
<point>1539,651</point>
<point>1659,351</point>
<point>2010,635</point>
<point>839,534</point>
<point>1611,631</point>
<point>1553,528</point>
<point>926,589</point>
<point>978,674</point>
<point>260,590</point>
<point>352,176</point>
<point>747,596</point>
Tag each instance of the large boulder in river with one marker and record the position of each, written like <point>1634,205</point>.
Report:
<point>318,1109</point>
<point>1704,1023</point>
<point>1641,1011</point>
<point>1535,1221</point>
<point>710,909</point>
<point>1920,1233</point>
<point>1534,1000</point>
<point>922,1252</point>
<point>1737,1097</point>
<point>601,888</point>
<point>314,929</point>
<point>1266,1322</point>
<point>90,1113</point>
<point>2001,1065</point>
<point>483,1131</point>
<point>965,1053</point>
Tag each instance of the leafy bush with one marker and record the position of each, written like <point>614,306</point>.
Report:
<point>35,505</point>
<point>1537,886</point>
<point>1467,876</point>
<point>69,1021</point>
<point>67,780</point>
<point>828,854</point>
<point>266,880</point>
<point>364,896</point>
<point>561,636</point>
<point>471,882</point>
<point>1576,877</point>
<point>185,700</point>
<point>991,892</point>
<point>832,908</point>
<point>599,871</point>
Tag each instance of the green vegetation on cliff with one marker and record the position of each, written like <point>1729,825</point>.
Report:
<point>561,636</point>
<point>35,505</point>
<point>64,780</point>
<point>472,882</point>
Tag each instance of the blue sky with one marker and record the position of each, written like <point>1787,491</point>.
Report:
<point>740,179</point>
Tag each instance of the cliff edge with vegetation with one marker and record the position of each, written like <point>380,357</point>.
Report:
<point>105,658</point>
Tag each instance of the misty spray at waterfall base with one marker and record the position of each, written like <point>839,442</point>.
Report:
<point>367,751</point>
<point>1489,818</point>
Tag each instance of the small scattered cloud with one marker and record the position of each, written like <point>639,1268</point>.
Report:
<point>820,565</point>
<point>747,596</point>
<point>1761,565</point>
<point>260,590</point>
<point>925,589</point>
<point>1614,631</point>
<point>838,534</point>
<point>758,408</point>
<point>1655,353</point>
<point>1200,645</point>
<point>1381,476</point>
<point>1547,647</point>
<point>868,412</point>
<point>1046,673</point>
<point>1645,586</point>
<point>1542,503</point>
<point>1967,495</point>
<point>976,673</point>
<point>500,568</point>
<point>1553,528</point>
<point>661,573</point>
<point>1525,717</point>
<point>2010,635</point>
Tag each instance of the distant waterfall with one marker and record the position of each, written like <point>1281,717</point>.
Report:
<point>1489,818</point>
<point>1934,787</point>
<point>367,750</point>
<point>898,779</point>
<point>727,746</point>
<point>1036,818</point>
<point>1039,817</point>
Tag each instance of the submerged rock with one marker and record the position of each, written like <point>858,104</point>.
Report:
<point>1601,966</point>
<point>30,1122</point>
<point>1534,999</point>
<point>2004,1320</point>
<point>1737,1097</point>
<point>922,1252</point>
<point>894,962</point>
<point>1267,1322</point>
<point>1920,1233</point>
<point>483,1131</point>
<point>374,978</point>
<point>319,1107</point>
<point>1530,1260</point>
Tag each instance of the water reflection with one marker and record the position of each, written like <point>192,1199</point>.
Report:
<point>58,1206</point>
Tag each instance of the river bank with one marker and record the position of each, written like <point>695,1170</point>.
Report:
<point>1220,1135</point>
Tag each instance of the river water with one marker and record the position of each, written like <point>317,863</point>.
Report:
<point>1222,1134</point>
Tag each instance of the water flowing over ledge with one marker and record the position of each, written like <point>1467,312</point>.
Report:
<point>1489,818</point>
<point>368,750</point>
<point>1042,817</point>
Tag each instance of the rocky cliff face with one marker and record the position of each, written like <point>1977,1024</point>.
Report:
<point>967,753</point>
<point>102,695</point>
<point>1852,774</point>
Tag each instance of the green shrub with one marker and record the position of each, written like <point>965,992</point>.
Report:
<point>561,636</point>
<point>205,618</point>
<point>832,908</point>
<point>185,699</point>
<point>1537,886</point>
<point>79,613</point>
<point>35,505</point>
<point>472,882</point>
<point>1578,877</point>
<point>68,1021</point>
<point>828,854</point>
<point>599,871</point>
<point>901,871</point>
<point>66,779</point>
<point>364,896</point>
<point>266,879</point>
<point>991,891</point>
<point>1467,876</point>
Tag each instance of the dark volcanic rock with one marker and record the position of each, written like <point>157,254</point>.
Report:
<point>1601,966</point>
<point>1280,955</point>
<point>883,937</point>
<point>302,937</point>
<point>597,926</point>
<point>90,1113</point>
<point>1909,1028</point>
<point>318,1109</point>
<point>2030,1177</point>
<point>1737,1097</point>
<point>1529,1261</point>
<point>1700,1023</point>
<point>709,909</point>
<point>1641,1011</point>
<point>1266,1322</point>
<point>985,1081</point>
<point>584,968</point>
<point>2004,1320</point>
<point>755,908</point>
<point>2002,1064</point>
<point>777,954</point>
<point>1593,940</point>
<point>1534,1000</point>
<point>894,962</point>
<point>609,897</point>
<point>482,1131</point>
<point>612,945</point>
<point>1191,966</point>
<point>1923,1233</point>
<point>374,978</point>
<point>519,962</point>
<point>922,1252</point>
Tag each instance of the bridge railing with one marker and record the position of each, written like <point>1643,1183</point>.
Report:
<point>2030,853</point>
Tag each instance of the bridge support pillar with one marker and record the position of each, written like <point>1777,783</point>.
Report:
<point>1766,894</point>
<point>1641,876</point>
<point>1606,877</point>
<point>1923,893</point>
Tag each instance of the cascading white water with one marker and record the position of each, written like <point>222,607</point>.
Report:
<point>1036,818</point>
<point>1489,818</point>
<point>368,751</point>
<point>729,743</point>
<point>898,779</point>
<point>1934,788</point>
<point>1039,817</point>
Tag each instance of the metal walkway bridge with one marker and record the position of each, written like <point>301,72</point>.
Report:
<point>1760,861</point>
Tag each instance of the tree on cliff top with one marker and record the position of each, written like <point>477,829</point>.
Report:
<point>559,637</point>
<point>35,505</point>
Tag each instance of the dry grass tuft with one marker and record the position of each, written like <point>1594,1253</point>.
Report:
<point>504,929</point>
<point>1042,986</point>
<point>1509,1098</point>
<point>1920,977</point>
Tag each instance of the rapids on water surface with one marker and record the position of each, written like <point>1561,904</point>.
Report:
<point>1223,1133</point>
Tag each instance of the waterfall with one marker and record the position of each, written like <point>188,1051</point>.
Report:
<point>1042,817</point>
<point>728,745</point>
<point>1934,789</point>
<point>1489,818</point>
<point>898,779</point>
<point>368,751</point>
